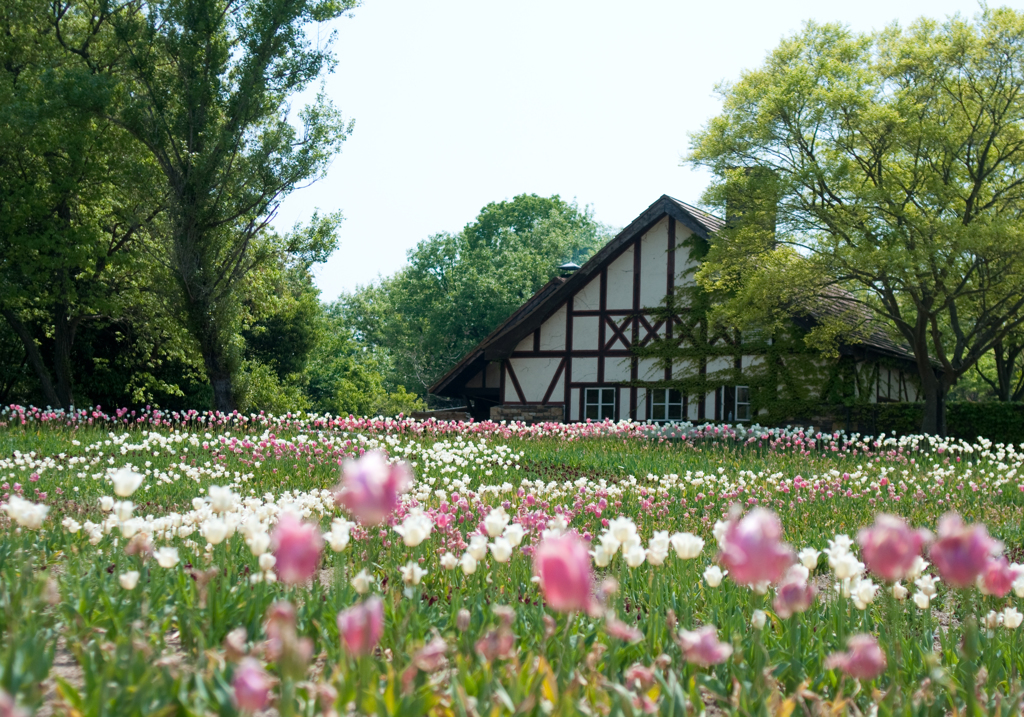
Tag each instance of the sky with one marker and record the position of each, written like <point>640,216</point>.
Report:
<point>458,103</point>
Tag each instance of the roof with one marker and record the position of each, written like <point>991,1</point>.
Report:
<point>553,294</point>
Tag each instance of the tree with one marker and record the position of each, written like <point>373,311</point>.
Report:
<point>889,166</point>
<point>75,202</point>
<point>457,288</point>
<point>206,92</point>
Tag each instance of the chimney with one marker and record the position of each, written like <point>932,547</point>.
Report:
<point>568,269</point>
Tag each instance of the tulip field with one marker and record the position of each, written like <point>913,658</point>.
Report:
<point>205,564</point>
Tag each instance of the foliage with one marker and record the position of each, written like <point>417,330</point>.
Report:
<point>457,288</point>
<point>207,92</point>
<point>888,165</point>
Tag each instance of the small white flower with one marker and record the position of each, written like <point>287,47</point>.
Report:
<point>501,549</point>
<point>514,534</point>
<point>926,584</point>
<point>412,573</point>
<point>267,562</point>
<point>362,582</point>
<point>635,555</point>
<point>259,543</point>
<point>129,579</point>
<point>123,510</point>
<point>477,547</point>
<point>166,557</point>
<point>809,558</point>
<point>415,528</point>
<point>215,531</point>
<point>496,521</point>
<point>125,481</point>
<point>713,576</point>
<point>687,545</point>
<point>758,619</point>
<point>922,600</point>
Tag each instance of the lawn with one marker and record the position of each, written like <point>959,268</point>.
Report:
<point>586,569</point>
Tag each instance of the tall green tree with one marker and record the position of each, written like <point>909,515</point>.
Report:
<point>75,202</point>
<point>457,288</point>
<point>891,166</point>
<point>207,92</point>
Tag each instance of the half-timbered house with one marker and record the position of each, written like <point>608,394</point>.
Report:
<point>569,353</point>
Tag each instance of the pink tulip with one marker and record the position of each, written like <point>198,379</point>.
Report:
<point>361,626</point>
<point>752,550</point>
<point>297,547</point>
<point>563,565</point>
<point>794,594</point>
<point>890,547</point>
<point>863,659</point>
<point>252,685</point>
<point>997,577</point>
<point>962,551</point>
<point>370,487</point>
<point>701,647</point>
<point>616,628</point>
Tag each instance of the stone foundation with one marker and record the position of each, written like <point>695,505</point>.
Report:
<point>528,414</point>
<point>445,414</point>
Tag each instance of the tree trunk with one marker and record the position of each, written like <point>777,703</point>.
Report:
<point>217,363</point>
<point>63,339</point>
<point>35,359</point>
<point>934,420</point>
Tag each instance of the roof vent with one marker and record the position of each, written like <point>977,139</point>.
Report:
<point>568,269</point>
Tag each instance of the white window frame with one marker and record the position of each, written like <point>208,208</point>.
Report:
<point>745,404</point>
<point>665,402</point>
<point>600,403</point>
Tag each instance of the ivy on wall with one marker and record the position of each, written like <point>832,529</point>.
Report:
<point>787,378</point>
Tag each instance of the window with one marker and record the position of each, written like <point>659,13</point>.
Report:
<point>743,403</point>
<point>599,403</point>
<point>666,405</point>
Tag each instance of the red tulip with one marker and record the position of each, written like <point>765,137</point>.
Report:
<point>701,647</point>
<point>370,487</point>
<point>252,685</point>
<point>863,659</point>
<point>890,546</point>
<point>297,547</point>
<point>361,626</point>
<point>563,565</point>
<point>962,551</point>
<point>752,549</point>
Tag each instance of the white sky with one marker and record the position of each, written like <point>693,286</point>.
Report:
<point>458,103</point>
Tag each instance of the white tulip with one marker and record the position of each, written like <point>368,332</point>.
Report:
<point>495,522</point>
<point>449,561</point>
<point>514,534</point>
<point>362,582</point>
<point>338,536</point>
<point>415,528</point>
<point>125,481</point>
<point>847,566</point>
<point>215,531</point>
<point>26,513</point>
<point>477,547</point>
<point>123,510</point>
<point>129,579</point>
<point>899,592</point>
<point>922,600</point>
<point>222,499</point>
<point>758,619</point>
<point>926,584</point>
<point>501,549</point>
<point>809,558</point>
<point>622,529</point>
<point>1012,618</point>
<point>864,594</point>
<point>917,568</point>
<point>713,576</point>
<point>687,545</point>
<point>259,543</point>
<point>267,562</point>
<point>166,557</point>
<point>601,556</point>
<point>991,620</point>
<point>106,504</point>
<point>468,563</point>
<point>719,531</point>
<point>635,555</point>
<point>412,573</point>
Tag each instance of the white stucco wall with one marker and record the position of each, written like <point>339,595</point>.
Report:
<point>574,404</point>
<point>589,297</point>
<point>620,282</point>
<point>585,333</point>
<point>584,369</point>
<point>552,332</point>
<point>654,264</point>
<point>534,376</point>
